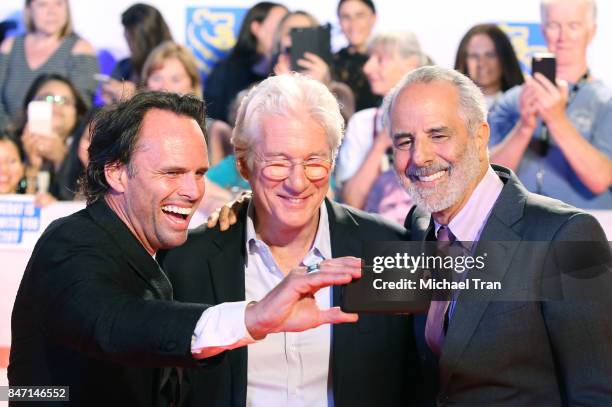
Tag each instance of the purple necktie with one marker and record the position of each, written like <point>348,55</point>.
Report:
<point>434,328</point>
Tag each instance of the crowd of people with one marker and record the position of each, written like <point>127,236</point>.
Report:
<point>554,135</point>
<point>120,296</point>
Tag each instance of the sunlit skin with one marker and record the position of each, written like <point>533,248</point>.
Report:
<point>12,169</point>
<point>171,76</point>
<point>385,68</point>
<point>483,64</point>
<point>169,165</point>
<point>425,119</point>
<point>356,22</point>
<point>568,31</point>
<point>288,208</point>
<point>48,16</point>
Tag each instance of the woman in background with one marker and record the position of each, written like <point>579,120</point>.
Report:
<point>357,19</point>
<point>50,152</point>
<point>248,62</point>
<point>172,67</point>
<point>49,46</point>
<point>12,165</point>
<point>144,29</point>
<point>486,56</point>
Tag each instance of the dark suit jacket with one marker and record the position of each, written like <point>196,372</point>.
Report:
<point>90,314</point>
<point>373,361</point>
<point>525,353</point>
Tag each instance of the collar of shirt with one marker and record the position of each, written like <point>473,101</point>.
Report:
<point>319,251</point>
<point>467,225</point>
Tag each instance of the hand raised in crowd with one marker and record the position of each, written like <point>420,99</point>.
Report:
<point>550,99</point>
<point>313,66</point>
<point>114,90</point>
<point>227,215</point>
<point>291,306</point>
<point>44,146</point>
<point>527,106</point>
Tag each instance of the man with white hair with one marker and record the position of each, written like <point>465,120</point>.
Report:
<point>288,130</point>
<point>557,137</point>
<point>491,351</point>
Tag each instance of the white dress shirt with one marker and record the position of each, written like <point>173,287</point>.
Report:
<point>288,368</point>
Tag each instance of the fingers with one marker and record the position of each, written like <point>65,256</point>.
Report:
<point>307,284</point>
<point>224,221</point>
<point>213,218</point>
<point>335,315</point>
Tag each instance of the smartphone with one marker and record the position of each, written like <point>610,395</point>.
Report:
<point>102,78</point>
<point>315,40</point>
<point>544,63</point>
<point>40,117</point>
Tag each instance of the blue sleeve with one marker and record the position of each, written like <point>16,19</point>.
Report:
<point>503,115</point>
<point>602,136</point>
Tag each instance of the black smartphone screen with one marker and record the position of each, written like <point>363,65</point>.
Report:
<point>546,64</point>
<point>311,39</point>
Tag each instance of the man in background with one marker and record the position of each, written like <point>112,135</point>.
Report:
<point>557,136</point>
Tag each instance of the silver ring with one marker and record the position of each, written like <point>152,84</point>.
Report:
<point>313,268</point>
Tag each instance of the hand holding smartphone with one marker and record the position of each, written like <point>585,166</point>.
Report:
<point>546,64</point>
<point>315,40</point>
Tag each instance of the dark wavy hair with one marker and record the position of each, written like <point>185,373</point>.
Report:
<point>115,131</point>
<point>146,29</point>
<point>246,43</point>
<point>511,70</point>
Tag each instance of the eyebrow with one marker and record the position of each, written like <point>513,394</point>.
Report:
<point>437,129</point>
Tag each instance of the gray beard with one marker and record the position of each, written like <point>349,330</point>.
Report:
<point>460,175</point>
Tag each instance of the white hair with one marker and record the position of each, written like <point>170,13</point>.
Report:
<point>472,106</point>
<point>405,43</point>
<point>591,8</point>
<point>286,95</point>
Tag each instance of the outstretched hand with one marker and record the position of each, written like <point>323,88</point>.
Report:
<point>291,306</point>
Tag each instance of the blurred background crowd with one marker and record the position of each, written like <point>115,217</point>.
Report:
<point>51,88</point>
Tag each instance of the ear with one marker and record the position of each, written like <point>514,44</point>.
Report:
<point>243,168</point>
<point>482,139</point>
<point>255,28</point>
<point>116,176</point>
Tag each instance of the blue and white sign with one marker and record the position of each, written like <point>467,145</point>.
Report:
<point>211,32</point>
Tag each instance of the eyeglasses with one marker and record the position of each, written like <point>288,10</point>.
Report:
<point>55,99</point>
<point>315,169</point>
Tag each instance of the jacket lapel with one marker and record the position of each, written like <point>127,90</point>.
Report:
<point>342,232</point>
<point>508,210</point>
<point>130,248</point>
